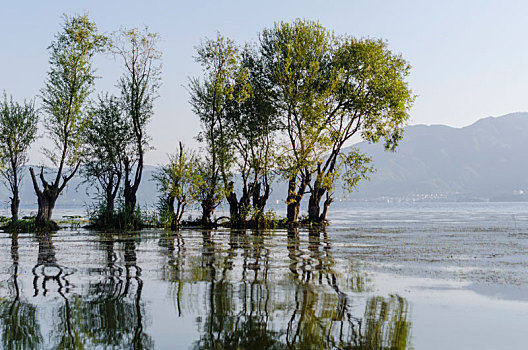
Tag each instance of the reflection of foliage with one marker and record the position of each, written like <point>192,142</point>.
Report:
<point>111,315</point>
<point>312,309</point>
<point>19,326</point>
<point>386,326</point>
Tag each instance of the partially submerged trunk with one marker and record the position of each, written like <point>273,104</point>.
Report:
<point>111,190</point>
<point>234,209</point>
<point>319,191</point>
<point>314,204</point>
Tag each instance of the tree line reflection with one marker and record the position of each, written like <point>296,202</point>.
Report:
<point>251,303</point>
<point>243,290</point>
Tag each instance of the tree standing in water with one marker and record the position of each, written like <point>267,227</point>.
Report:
<point>179,183</point>
<point>223,81</point>
<point>327,89</point>
<point>70,81</point>
<point>106,140</point>
<point>18,130</point>
<point>137,51</point>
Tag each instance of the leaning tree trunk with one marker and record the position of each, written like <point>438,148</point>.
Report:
<point>326,205</point>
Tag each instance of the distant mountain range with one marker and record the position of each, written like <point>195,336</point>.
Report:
<point>487,160</point>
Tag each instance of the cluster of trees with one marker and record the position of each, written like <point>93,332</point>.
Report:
<point>106,136</point>
<point>285,107</point>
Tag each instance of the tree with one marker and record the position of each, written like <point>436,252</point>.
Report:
<point>223,82</point>
<point>70,81</point>
<point>371,99</point>
<point>297,63</point>
<point>178,182</point>
<point>327,89</point>
<point>251,125</point>
<point>137,51</point>
<point>18,130</point>
<point>106,140</point>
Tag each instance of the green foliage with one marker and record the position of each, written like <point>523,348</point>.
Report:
<point>224,81</point>
<point>18,130</point>
<point>106,140</point>
<point>178,181</point>
<point>139,84</point>
<point>120,219</point>
<point>327,88</point>
<point>356,168</point>
<point>70,81</point>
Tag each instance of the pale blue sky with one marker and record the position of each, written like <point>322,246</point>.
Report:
<point>469,58</point>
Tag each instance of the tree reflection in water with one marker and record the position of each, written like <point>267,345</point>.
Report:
<point>110,314</point>
<point>18,325</point>
<point>252,303</point>
<point>113,312</point>
<point>244,289</point>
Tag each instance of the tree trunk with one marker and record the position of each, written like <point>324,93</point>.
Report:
<point>15,203</point>
<point>328,201</point>
<point>46,204</point>
<point>313,206</point>
<point>129,195</point>
<point>49,194</point>
<point>179,215</point>
<point>234,209</point>
<point>294,198</point>
<point>207,212</point>
<point>130,190</point>
<point>314,203</point>
<point>109,203</point>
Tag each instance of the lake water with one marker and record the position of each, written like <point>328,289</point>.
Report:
<point>382,276</point>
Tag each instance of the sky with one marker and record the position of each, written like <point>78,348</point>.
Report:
<point>469,58</point>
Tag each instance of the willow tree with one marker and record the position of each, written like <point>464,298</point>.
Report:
<point>107,138</point>
<point>252,127</point>
<point>328,89</point>
<point>223,82</point>
<point>18,130</point>
<point>70,81</point>
<point>179,183</point>
<point>297,63</point>
<point>137,51</point>
<point>371,99</point>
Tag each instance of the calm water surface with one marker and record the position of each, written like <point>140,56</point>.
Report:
<point>393,276</point>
